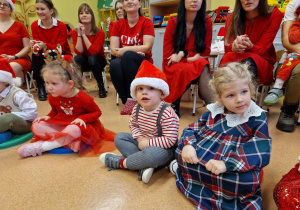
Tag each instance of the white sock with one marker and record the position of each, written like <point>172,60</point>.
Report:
<point>49,145</point>
<point>278,83</point>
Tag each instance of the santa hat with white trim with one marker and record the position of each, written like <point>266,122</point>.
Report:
<point>12,4</point>
<point>7,74</point>
<point>149,75</point>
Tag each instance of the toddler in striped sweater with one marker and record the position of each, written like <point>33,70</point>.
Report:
<point>153,124</point>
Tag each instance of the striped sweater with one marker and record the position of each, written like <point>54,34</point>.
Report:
<point>145,126</point>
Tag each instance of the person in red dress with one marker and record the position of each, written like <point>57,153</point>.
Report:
<point>119,15</point>
<point>131,42</point>
<point>186,49</point>
<point>14,44</point>
<point>249,37</point>
<point>73,121</point>
<point>88,40</point>
<point>50,32</point>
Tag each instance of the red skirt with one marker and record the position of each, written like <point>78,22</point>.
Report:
<point>264,68</point>
<point>179,75</point>
<point>93,140</point>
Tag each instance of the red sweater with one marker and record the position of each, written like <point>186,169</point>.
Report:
<point>52,36</point>
<point>262,31</point>
<point>97,42</point>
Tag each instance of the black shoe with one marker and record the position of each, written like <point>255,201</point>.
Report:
<point>286,119</point>
<point>102,91</point>
<point>42,95</point>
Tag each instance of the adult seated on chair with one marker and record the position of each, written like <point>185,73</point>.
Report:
<point>131,42</point>
<point>249,37</point>
<point>88,42</point>
<point>186,49</point>
<point>14,44</point>
<point>119,12</point>
<point>292,95</point>
<point>49,32</point>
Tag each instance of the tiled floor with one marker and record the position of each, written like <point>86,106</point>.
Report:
<point>68,182</point>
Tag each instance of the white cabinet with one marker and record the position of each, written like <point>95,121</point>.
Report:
<point>157,50</point>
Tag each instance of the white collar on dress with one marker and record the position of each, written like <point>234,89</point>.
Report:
<point>234,120</point>
<point>5,92</point>
<point>54,23</point>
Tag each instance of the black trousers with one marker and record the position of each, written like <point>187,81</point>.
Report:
<point>94,63</point>
<point>37,64</point>
<point>123,71</point>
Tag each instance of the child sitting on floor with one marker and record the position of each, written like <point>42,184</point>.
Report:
<point>220,156</point>
<point>17,108</point>
<point>291,61</point>
<point>73,120</point>
<point>153,124</point>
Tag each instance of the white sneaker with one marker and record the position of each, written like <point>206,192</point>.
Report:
<point>146,174</point>
<point>173,166</point>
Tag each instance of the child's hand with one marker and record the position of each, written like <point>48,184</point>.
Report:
<point>41,118</point>
<point>189,155</point>
<point>143,142</point>
<point>216,166</point>
<point>79,121</point>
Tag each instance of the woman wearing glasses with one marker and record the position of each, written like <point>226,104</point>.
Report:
<point>14,44</point>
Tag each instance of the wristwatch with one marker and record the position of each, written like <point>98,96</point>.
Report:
<point>185,54</point>
<point>16,57</point>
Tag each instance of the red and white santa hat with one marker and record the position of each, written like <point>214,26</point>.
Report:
<point>12,4</point>
<point>149,75</point>
<point>7,74</point>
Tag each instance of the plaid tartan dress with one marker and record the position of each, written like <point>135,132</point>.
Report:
<point>245,149</point>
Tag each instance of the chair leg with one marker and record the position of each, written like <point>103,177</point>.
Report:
<point>298,121</point>
<point>195,99</point>
<point>105,80</point>
<point>117,99</point>
<point>193,89</point>
<point>27,83</point>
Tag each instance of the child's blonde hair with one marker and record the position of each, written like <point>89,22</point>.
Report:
<point>70,72</point>
<point>231,73</point>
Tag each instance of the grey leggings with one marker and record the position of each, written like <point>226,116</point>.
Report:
<point>150,157</point>
<point>14,123</point>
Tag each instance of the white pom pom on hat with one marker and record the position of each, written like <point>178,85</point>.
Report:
<point>149,75</point>
<point>7,74</point>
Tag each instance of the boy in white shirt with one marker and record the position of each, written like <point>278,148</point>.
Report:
<point>17,108</point>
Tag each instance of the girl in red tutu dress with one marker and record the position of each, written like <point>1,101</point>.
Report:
<point>73,121</point>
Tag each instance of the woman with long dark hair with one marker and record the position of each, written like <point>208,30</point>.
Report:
<point>88,42</point>
<point>249,34</point>
<point>186,49</point>
<point>49,32</point>
<point>131,42</point>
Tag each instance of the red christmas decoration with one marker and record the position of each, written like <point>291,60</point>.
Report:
<point>287,192</point>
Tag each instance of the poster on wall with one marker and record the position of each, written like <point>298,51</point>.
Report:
<point>103,4</point>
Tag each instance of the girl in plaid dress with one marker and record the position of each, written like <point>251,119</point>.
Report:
<point>221,155</point>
